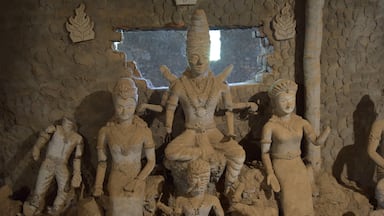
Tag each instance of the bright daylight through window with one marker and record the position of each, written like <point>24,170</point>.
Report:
<point>246,49</point>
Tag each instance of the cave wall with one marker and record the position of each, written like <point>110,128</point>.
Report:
<point>352,85</point>
<point>45,76</point>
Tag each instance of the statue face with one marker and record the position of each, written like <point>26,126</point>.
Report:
<point>124,108</point>
<point>198,182</point>
<point>285,103</point>
<point>198,64</point>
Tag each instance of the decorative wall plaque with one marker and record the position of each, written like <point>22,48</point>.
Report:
<point>80,26</point>
<point>284,24</point>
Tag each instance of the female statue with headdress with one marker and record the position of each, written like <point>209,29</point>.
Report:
<point>281,150</point>
<point>127,137</point>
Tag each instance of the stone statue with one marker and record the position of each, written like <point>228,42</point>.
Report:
<point>197,202</point>
<point>280,147</point>
<point>62,141</point>
<point>127,137</point>
<point>250,197</point>
<point>376,152</point>
<point>153,193</point>
<point>199,91</point>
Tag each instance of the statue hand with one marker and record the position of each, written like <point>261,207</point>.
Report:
<point>168,138</point>
<point>323,136</point>
<point>142,108</point>
<point>273,182</point>
<point>35,154</point>
<point>228,138</point>
<point>253,107</point>
<point>135,185</point>
<point>76,180</point>
<point>98,191</point>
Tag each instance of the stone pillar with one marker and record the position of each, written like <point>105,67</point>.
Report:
<point>312,72</point>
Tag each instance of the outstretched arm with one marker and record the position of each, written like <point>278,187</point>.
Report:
<point>153,107</point>
<point>242,105</point>
<point>266,140</point>
<point>374,142</point>
<point>311,135</point>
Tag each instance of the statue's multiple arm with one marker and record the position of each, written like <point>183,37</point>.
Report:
<point>227,98</point>
<point>172,102</point>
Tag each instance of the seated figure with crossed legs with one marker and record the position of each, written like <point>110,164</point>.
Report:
<point>199,91</point>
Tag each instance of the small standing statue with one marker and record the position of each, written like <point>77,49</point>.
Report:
<point>127,137</point>
<point>281,139</point>
<point>198,90</point>
<point>197,202</point>
<point>63,140</point>
<point>376,152</point>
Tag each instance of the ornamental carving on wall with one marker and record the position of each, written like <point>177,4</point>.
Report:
<point>80,26</point>
<point>284,24</point>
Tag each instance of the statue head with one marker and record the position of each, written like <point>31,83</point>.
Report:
<point>283,95</point>
<point>198,44</point>
<point>198,176</point>
<point>125,98</point>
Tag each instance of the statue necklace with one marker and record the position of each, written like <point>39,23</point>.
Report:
<point>199,99</point>
<point>196,210</point>
<point>287,124</point>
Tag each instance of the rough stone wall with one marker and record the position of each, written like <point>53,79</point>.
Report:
<point>352,85</point>
<point>45,76</point>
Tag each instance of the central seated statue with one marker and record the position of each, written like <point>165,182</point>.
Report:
<point>199,91</point>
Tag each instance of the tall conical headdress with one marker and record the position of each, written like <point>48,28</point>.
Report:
<point>125,88</point>
<point>198,35</point>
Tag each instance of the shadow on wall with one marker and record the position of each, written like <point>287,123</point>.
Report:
<point>93,113</point>
<point>22,169</point>
<point>251,142</point>
<point>359,168</point>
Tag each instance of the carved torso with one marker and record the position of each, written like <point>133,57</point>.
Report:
<point>199,99</point>
<point>62,144</point>
<point>286,136</point>
<point>126,142</point>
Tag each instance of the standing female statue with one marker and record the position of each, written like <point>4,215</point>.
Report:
<point>127,137</point>
<point>281,139</point>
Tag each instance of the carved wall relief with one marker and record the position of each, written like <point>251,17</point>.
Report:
<point>284,24</point>
<point>80,26</point>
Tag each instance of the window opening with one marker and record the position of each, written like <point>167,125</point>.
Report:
<point>246,49</point>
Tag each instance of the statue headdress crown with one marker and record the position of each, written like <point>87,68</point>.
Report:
<point>125,88</point>
<point>198,34</point>
<point>282,85</point>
